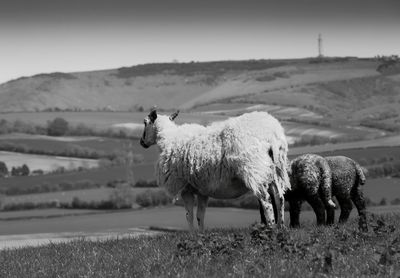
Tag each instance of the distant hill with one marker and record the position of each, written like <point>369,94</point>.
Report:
<point>340,89</point>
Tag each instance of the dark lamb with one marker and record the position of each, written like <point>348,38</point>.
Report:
<point>316,179</point>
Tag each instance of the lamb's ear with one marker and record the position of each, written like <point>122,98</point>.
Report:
<point>153,114</point>
<point>174,115</point>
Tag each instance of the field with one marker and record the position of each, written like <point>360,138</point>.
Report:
<point>100,177</point>
<point>45,163</point>
<point>104,145</point>
<point>388,141</point>
<point>87,195</point>
<point>101,120</point>
<point>382,188</point>
<point>375,189</point>
<point>236,252</point>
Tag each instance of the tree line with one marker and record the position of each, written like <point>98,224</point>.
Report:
<point>15,171</point>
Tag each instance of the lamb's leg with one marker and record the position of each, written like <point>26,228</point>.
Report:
<point>188,201</point>
<point>330,216</point>
<point>357,196</point>
<point>294,209</point>
<point>201,210</point>
<point>345,208</point>
<point>318,206</point>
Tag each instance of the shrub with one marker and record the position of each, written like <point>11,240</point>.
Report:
<point>57,127</point>
<point>144,183</point>
<point>46,187</point>
<point>151,198</point>
<point>3,169</point>
<point>122,196</point>
<point>1,201</point>
<point>38,172</point>
<point>29,205</point>
<point>383,202</point>
<point>395,202</point>
<point>25,170</point>
<point>20,171</point>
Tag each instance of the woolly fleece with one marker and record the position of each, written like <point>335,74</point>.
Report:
<point>225,159</point>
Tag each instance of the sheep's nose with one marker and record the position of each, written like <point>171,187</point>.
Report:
<point>143,143</point>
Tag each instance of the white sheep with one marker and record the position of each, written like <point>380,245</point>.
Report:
<point>223,160</point>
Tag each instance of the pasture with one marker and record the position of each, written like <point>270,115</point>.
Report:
<point>86,195</point>
<point>102,145</point>
<point>338,251</point>
<point>44,162</point>
<point>388,141</point>
<point>99,177</point>
<point>131,122</point>
<point>101,120</point>
<point>146,170</point>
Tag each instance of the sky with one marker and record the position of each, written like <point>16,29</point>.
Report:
<point>42,36</point>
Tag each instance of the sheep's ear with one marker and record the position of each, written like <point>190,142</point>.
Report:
<point>153,114</point>
<point>174,115</point>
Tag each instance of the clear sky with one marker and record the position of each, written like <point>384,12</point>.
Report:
<point>38,36</point>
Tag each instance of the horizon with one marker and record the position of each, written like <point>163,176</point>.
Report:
<point>47,36</point>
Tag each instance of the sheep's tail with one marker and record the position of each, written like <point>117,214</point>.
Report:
<point>326,183</point>
<point>281,174</point>
<point>360,174</point>
<point>281,184</point>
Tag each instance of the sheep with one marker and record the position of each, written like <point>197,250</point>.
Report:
<point>316,179</point>
<point>223,160</point>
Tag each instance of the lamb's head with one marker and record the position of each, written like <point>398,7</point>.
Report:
<point>151,128</point>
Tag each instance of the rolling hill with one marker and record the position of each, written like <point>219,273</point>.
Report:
<point>334,90</point>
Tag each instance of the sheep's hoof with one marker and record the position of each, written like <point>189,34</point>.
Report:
<point>331,204</point>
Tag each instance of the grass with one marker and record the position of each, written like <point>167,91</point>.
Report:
<point>368,156</point>
<point>45,163</point>
<point>377,189</point>
<point>338,251</point>
<point>99,120</point>
<point>101,145</point>
<point>53,182</point>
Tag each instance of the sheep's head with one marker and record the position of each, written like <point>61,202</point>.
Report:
<point>149,136</point>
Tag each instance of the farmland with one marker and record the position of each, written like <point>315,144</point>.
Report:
<point>98,177</point>
<point>45,163</point>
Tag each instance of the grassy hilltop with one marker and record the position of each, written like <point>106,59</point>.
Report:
<point>340,251</point>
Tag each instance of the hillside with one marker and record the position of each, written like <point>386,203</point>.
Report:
<point>339,90</point>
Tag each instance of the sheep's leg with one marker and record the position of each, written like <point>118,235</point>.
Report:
<point>277,204</point>
<point>266,204</point>
<point>357,196</point>
<point>188,201</point>
<point>318,206</point>
<point>345,208</point>
<point>201,210</point>
<point>262,214</point>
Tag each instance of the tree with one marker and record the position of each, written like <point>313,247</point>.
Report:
<point>25,170</point>
<point>14,171</point>
<point>57,127</point>
<point>3,169</point>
